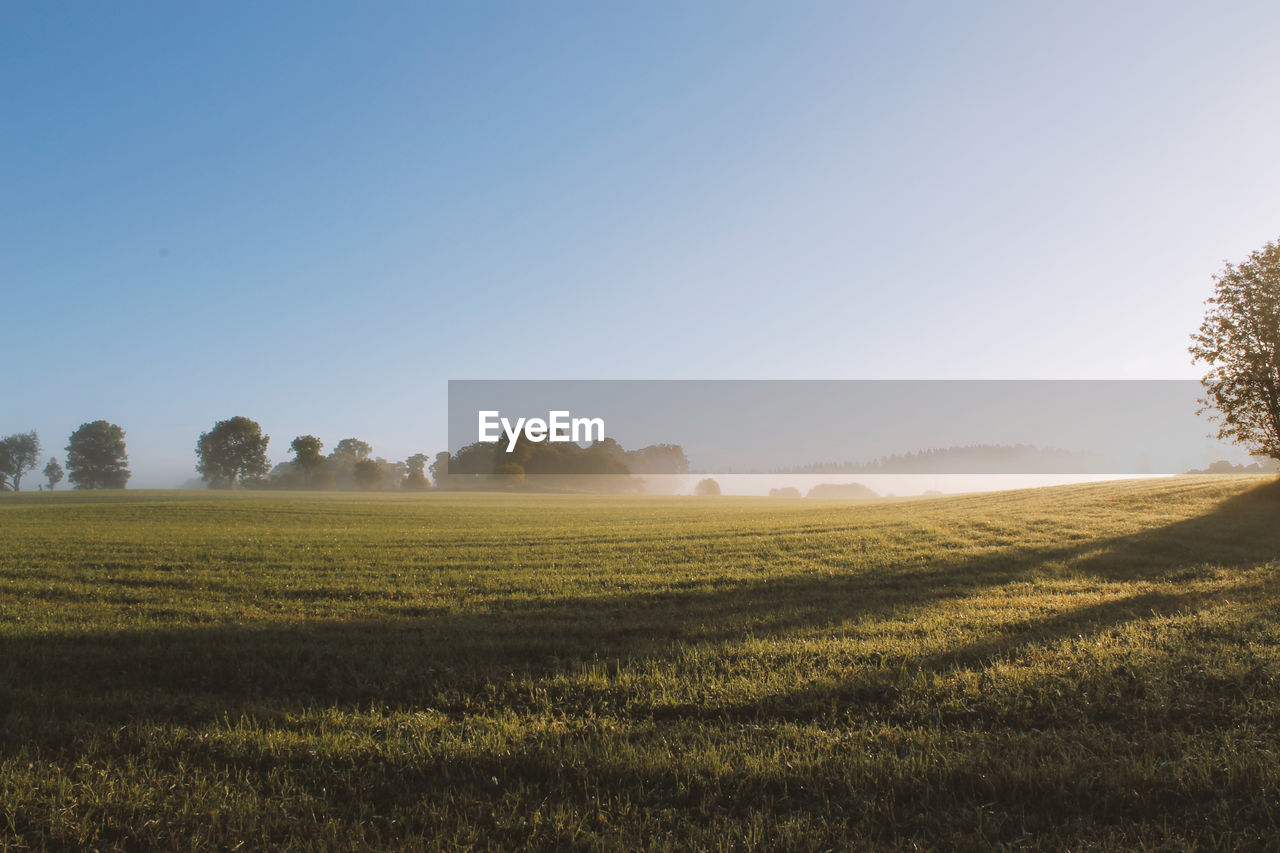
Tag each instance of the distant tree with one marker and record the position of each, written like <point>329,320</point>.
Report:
<point>96,457</point>
<point>657,459</point>
<point>7,464</point>
<point>841,491</point>
<point>785,492</point>
<point>234,451</point>
<point>307,457</point>
<point>393,473</point>
<point>1240,342</point>
<point>19,453</point>
<point>285,475</point>
<point>416,479</point>
<point>341,463</point>
<point>509,474</point>
<point>53,473</point>
<point>440,470</point>
<point>352,447</point>
<point>707,488</point>
<point>368,474</point>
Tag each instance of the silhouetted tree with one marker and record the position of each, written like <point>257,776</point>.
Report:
<point>657,459</point>
<point>841,491</point>
<point>785,492</point>
<point>234,451</point>
<point>707,488</point>
<point>6,465</point>
<point>19,453</point>
<point>53,473</point>
<point>307,457</point>
<point>393,473</point>
<point>440,470</point>
<point>417,477</point>
<point>509,474</point>
<point>368,474</point>
<point>96,457</point>
<point>352,447</point>
<point>342,461</point>
<point>1240,342</point>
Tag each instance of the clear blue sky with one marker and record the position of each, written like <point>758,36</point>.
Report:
<point>315,214</point>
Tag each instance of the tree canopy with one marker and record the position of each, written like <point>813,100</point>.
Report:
<point>19,454</point>
<point>369,474</point>
<point>613,468</point>
<point>416,478</point>
<point>307,457</point>
<point>1239,340</point>
<point>53,473</point>
<point>96,457</point>
<point>233,452</point>
<point>352,447</point>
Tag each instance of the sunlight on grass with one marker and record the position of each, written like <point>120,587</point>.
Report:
<point>1085,665</point>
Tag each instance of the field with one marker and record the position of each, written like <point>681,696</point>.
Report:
<point>1086,667</point>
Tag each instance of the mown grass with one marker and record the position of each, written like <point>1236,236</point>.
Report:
<point>1090,667</point>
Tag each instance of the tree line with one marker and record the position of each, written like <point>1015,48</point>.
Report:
<point>233,454</point>
<point>96,459</point>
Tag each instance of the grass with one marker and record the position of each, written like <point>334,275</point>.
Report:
<point>1087,667</point>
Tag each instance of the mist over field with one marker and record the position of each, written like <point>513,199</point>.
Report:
<point>646,426</point>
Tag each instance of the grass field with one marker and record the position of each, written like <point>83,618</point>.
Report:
<point>1079,667</point>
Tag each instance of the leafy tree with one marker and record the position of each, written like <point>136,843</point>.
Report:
<point>342,461</point>
<point>6,464</point>
<point>657,459</point>
<point>707,488</point>
<point>352,447</point>
<point>19,454</point>
<point>53,473</point>
<point>96,457</point>
<point>368,474</point>
<point>234,451</point>
<point>509,473</point>
<point>440,470</point>
<point>307,457</point>
<point>1240,342</point>
<point>841,491</point>
<point>417,476</point>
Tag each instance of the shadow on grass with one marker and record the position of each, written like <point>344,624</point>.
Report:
<point>55,689</point>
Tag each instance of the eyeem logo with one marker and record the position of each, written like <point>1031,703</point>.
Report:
<point>559,426</point>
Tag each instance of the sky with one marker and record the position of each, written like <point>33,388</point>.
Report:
<point>316,214</point>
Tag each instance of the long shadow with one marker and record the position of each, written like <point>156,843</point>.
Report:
<point>55,690</point>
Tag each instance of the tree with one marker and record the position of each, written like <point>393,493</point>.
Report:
<point>19,454</point>
<point>707,488</point>
<point>342,461</point>
<point>96,457</point>
<point>440,470</point>
<point>417,476</point>
<point>352,447</point>
<point>234,451</point>
<point>1240,342</point>
<point>53,473</point>
<point>306,456</point>
<point>368,474</point>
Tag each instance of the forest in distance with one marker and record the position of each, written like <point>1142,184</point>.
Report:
<point>234,455</point>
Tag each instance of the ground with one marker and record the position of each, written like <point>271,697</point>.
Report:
<point>1081,667</point>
